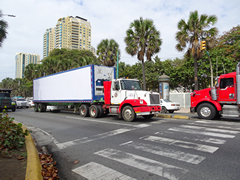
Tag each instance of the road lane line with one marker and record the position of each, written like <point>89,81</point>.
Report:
<point>145,164</point>
<point>210,129</point>
<point>170,153</point>
<point>93,138</point>
<point>200,132</point>
<point>95,171</point>
<point>184,144</point>
<point>108,122</point>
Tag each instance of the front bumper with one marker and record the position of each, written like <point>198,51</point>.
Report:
<point>147,110</point>
<point>192,109</point>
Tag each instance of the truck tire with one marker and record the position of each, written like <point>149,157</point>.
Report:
<point>94,111</point>
<point>84,110</point>
<point>128,114</point>
<point>36,108</point>
<point>100,111</point>
<point>206,111</point>
<point>41,107</point>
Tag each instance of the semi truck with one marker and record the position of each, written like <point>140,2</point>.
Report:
<point>94,91</point>
<point>221,100</point>
<point>5,100</point>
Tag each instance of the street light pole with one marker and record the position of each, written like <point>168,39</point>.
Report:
<point>10,15</point>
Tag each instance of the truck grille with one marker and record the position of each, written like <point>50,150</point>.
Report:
<point>6,102</point>
<point>154,99</point>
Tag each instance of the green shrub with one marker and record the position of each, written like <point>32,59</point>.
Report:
<point>12,135</point>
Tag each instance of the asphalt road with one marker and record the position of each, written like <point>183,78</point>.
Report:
<point>110,148</point>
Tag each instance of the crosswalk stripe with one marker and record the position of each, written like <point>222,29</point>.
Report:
<point>184,144</point>
<point>226,126</point>
<point>201,132</point>
<point>149,165</point>
<point>210,129</point>
<point>211,140</point>
<point>95,171</point>
<point>170,153</point>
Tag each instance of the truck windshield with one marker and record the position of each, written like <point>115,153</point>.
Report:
<point>4,95</point>
<point>130,85</point>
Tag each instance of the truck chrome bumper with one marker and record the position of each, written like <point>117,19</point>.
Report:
<point>147,110</point>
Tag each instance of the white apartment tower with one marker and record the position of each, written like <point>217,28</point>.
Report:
<point>71,33</point>
<point>48,41</point>
<point>22,60</point>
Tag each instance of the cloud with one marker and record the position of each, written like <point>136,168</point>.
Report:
<point>108,18</point>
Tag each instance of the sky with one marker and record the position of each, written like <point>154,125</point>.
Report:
<point>109,19</point>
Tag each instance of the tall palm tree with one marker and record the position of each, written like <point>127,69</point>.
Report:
<point>107,52</point>
<point>3,30</point>
<point>191,33</point>
<point>143,40</point>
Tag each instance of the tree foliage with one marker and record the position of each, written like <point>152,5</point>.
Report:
<point>142,40</point>
<point>191,33</point>
<point>3,29</point>
<point>107,52</point>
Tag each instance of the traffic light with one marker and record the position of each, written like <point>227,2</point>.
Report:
<point>203,45</point>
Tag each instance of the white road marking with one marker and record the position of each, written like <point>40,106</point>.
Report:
<point>170,153</point>
<point>210,129</point>
<point>145,164</point>
<point>211,140</point>
<point>95,171</point>
<point>93,138</point>
<point>184,144</point>
<point>109,122</point>
<point>201,132</point>
<point>215,126</point>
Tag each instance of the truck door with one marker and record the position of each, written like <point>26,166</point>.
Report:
<point>116,93</point>
<point>227,90</point>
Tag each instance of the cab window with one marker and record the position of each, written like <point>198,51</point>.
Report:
<point>226,82</point>
<point>116,86</point>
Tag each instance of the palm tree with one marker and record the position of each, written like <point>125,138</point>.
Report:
<point>3,31</point>
<point>191,33</point>
<point>107,52</point>
<point>143,40</point>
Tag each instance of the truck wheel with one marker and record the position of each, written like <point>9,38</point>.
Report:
<point>84,110</point>
<point>41,107</point>
<point>164,110</point>
<point>93,111</point>
<point>36,108</point>
<point>100,111</point>
<point>148,116</point>
<point>206,111</point>
<point>128,114</point>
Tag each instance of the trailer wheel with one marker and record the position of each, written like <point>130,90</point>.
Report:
<point>93,111</point>
<point>128,114</point>
<point>39,107</point>
<point>84,110</point>
<point>206,111</point>
<point>36,108</point>
<point>100,111</point>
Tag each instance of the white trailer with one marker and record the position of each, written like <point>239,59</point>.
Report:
<point>80,85</point>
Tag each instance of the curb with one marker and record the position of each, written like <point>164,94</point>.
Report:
<point>34,167</point>
<point>173,116</point>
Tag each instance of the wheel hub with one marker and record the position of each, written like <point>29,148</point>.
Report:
<point>205,111</point>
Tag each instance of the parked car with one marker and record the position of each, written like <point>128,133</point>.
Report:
<point>21,102</point>
<point>169,106</point>
<point>30,103</point>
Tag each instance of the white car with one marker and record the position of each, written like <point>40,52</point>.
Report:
<point>169,106</point>
<point>30,103</point>
<point>21,102</point>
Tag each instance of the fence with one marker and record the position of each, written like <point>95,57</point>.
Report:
<point>183,98</point>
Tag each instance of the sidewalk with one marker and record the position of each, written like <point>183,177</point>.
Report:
<point>183,110</point>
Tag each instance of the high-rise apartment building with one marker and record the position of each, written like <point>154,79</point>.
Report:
<point>48,41</point>
<point>71,33</point>
<point>22,60</point>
